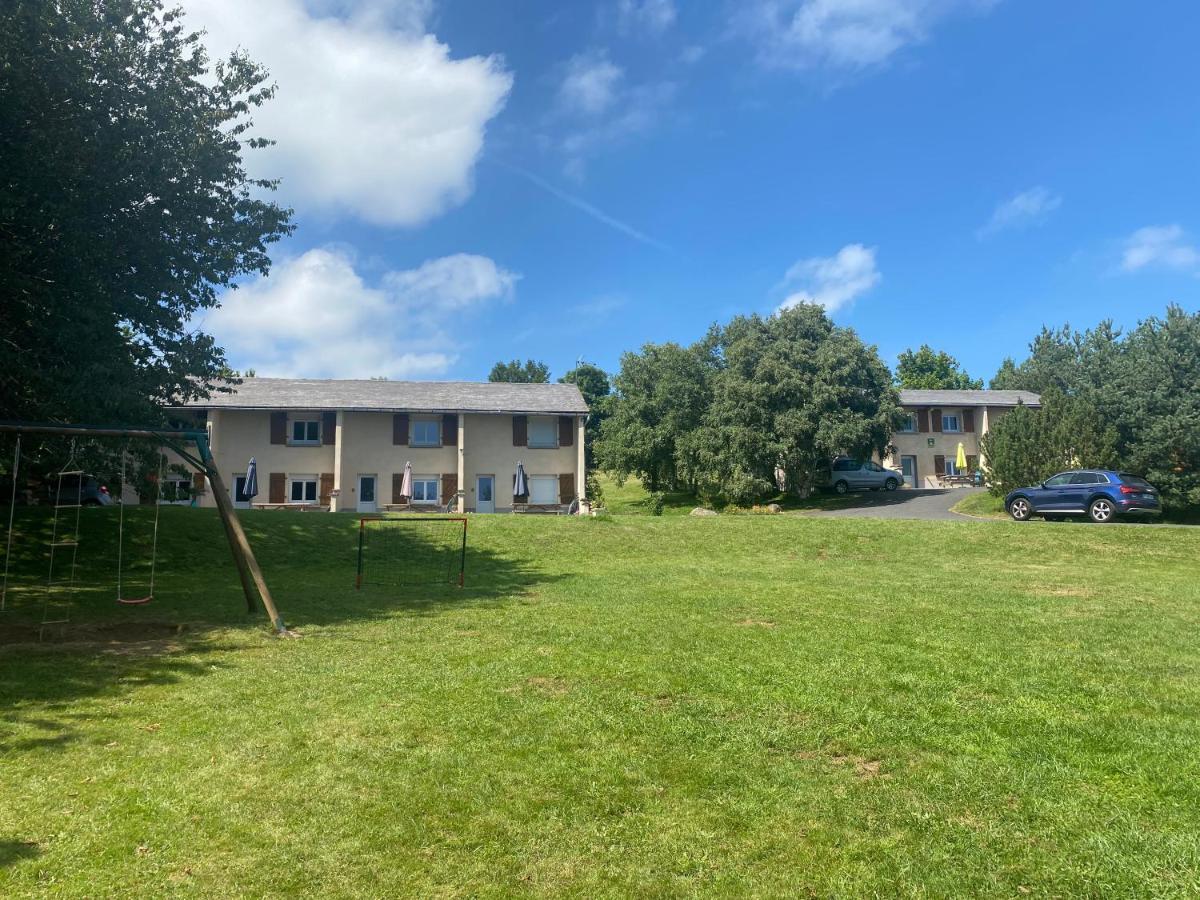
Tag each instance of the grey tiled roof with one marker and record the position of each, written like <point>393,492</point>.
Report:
<point>416,396</point>
<point>969,398</point>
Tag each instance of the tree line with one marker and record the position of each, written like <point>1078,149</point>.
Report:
<point>762,404</point>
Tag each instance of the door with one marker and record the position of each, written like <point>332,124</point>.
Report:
<point>908,465</point>
<point>485,493</point>
<point>366,494</point>
<point>240,500</point>
<point>1054,494</point>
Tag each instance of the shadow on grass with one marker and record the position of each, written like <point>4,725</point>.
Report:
<point>12,852</point>
<point>108,650</point>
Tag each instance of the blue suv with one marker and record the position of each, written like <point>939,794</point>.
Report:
<point>1099,494</point>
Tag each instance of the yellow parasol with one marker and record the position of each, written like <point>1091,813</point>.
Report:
<point>961,459</point>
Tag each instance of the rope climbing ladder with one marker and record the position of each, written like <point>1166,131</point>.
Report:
<point>64,551</point>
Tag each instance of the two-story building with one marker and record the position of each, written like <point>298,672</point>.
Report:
<point>926,447</point>
<point>343,445</point>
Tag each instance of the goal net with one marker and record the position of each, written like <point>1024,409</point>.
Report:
<point>411,550</point>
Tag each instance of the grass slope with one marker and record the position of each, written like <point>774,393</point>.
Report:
<point>631,705</point>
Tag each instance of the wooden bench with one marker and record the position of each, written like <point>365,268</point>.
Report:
<point>541,509</point>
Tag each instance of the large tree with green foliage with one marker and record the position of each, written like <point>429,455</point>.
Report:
<point>124,207</point>
<point>929,369</point>
<point>517,372</point>
<point>660,395</point>
<point>757,396</point>
<point>1029,444</point>
<point>1144,386</point>
<point>790,392</point>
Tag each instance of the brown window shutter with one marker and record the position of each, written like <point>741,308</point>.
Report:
<point>566,487</point>
<point>566,431</point>
<point>450,430</point>
<point>935,419</point>
<point>968,422</point>
<point>923,421</point>
<point>278,428</point>
<point>400,428</point>
<point>972,463</point>
<point>397,483</point>
<point>277,487</point>
<point>198,482</point>
<point>520,431</point>
<point>328,428</point>
<point>449,487</point>
<point>939,464</point>
<point>325,488</point>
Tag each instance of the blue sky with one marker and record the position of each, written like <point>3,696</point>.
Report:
<point>483,181</point>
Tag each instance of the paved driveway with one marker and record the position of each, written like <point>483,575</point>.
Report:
<point>902,504</point>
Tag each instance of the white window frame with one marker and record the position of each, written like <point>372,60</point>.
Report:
<point>957,417</point>
<point>437,433</point>
<point>547,422</point>
<point>549,480</point>
<point>424,481</point>
<point>305,442</point>
<point>951,466</point>
<point>176,500</point>
<point>910,424</point>
<point>304,479</point>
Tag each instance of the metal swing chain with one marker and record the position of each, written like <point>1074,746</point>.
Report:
<point>121,520</point>
<point>157,510</point>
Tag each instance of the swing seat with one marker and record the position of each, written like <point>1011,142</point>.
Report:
<point>135,601</point>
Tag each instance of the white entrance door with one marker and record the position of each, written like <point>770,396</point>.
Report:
<point>908,465</point>
<point>485,493</point>
<point>366,493</point>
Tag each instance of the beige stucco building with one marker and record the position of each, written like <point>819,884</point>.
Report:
<point>927,448</point>
<point>343,445</point>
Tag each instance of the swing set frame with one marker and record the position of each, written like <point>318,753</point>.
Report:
<point>202,460</point>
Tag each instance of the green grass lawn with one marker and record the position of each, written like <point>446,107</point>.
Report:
<point>629,705</point>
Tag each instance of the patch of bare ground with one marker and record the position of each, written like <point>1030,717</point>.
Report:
<point>756,623</point>
<point>551,687</point>
<point>113,637</point>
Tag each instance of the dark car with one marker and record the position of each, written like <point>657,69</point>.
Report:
<point>1099,494</point>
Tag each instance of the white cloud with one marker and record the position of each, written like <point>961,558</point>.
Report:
<point>841,34</point>
<point>590,84</point>
<point>635,111</point>
<point>831,281</point>
<point>1160,245</point>
<point>373,118</point>
<point>316,316</point>
<point>645,16</point>
<point>1026,208</point>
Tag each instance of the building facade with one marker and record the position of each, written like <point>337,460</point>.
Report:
<point>926,448</point>
<point>343,445</point>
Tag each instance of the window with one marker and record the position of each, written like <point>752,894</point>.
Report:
<point>426,433</point>
<point>543,489</point>
<point>425,489</point>
<point>1059,480</point>
<point>1088,478</point>
<point>543,432</point>
<point>951,423</point>
<point>909,425</point>
<point>846,465</point>
<point>873,467</point>
<point>302,489</point>
<point>951,467</point>
<point>306,431</point>
<point>176,489</point>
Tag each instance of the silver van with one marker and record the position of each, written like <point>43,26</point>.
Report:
<point>848,474</point>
